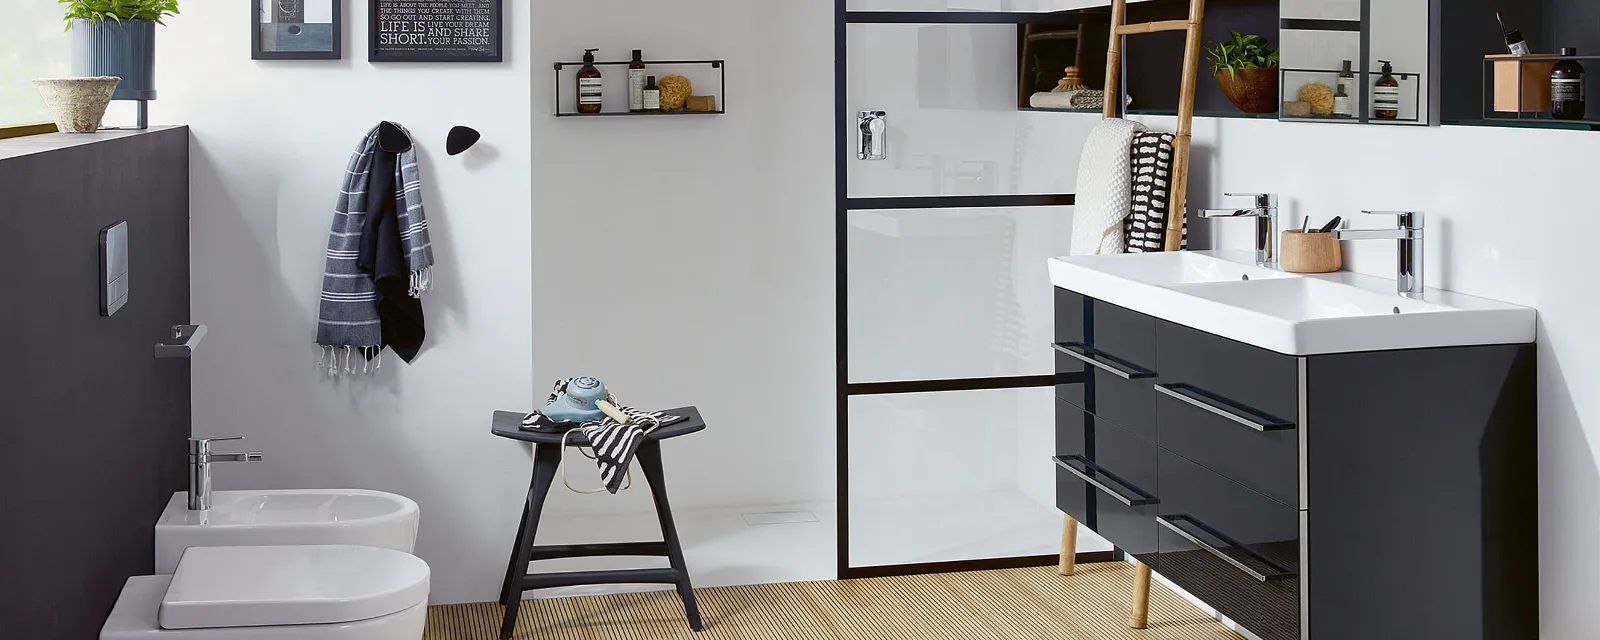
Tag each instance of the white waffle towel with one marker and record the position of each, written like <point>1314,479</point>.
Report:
<point>1105,189</point>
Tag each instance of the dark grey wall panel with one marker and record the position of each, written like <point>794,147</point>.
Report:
<point>92,427</point>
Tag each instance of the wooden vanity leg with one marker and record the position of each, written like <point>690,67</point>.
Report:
<point>1069,545</point>
<point>1140,617</point>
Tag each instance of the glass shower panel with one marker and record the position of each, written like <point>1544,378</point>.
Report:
<point>949,93</point>
<point>952,293</point>
<point>947,476</point>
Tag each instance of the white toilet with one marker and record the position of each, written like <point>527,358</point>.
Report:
<point>308,592</point>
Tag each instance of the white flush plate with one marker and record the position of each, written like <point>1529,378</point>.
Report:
<point>113,268</point>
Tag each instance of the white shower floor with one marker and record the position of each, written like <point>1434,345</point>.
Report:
<point>721,546</point>
<point>961,526</point>
<point>795,542</point>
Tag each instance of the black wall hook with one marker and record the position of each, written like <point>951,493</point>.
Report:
<point>460,139</point>
<point>392,138</point>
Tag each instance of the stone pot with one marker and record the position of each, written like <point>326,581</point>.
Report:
<point>77,103</point>
<point>125,49</point>
<point>1252,90</point>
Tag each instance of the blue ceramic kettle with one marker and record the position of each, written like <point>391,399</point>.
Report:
<point>580,402</point>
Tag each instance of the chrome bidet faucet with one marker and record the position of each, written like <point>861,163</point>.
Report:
<point>1408,236</point>
<point>200,460</point>
<point>1265,213</point>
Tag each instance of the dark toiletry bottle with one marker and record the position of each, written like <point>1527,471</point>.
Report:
<point>589,84</point>
<point>1386,94</point>
<point>652,95</point>
<point>1341,103</point>
<point>1569,93</point>
<point>1347,85</point>
<point>636,82</point>
<point>1515,43</point>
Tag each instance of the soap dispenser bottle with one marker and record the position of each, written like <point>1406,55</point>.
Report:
<point>1386,94</point>
<point>589,84</point>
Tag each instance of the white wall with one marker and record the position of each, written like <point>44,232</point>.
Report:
<point>270,142</point>
<point>1508,211</point>
<point>709,239</point>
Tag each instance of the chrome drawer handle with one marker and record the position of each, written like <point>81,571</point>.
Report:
<point>1228,409</point>
<point>1279,573</point>
<point>1141,498</point>
<point>1103,361</point>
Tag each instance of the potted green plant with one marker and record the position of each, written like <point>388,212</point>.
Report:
<point>118,38</point>
<point>1247,69</point>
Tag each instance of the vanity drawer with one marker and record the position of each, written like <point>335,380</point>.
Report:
<point>1257,450</point>
<point>1106,478</point>
<point>1234,549</point>
<point>1263,381</point>
<point>1114,350</point>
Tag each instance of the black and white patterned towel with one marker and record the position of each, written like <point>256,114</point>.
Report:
<point>613,443</point>
<point>1146,224</point>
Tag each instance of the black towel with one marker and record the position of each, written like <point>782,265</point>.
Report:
<point>383,257</point>
<point>1146,224</point>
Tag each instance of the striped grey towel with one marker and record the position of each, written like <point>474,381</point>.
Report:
<point>613,443</point>
<point>349,324</point>
<point>1146,224</point>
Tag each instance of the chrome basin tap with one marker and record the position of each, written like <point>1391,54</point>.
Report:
<point>1265,213</point>
<point>200,461</point>
<point>1408,256</point>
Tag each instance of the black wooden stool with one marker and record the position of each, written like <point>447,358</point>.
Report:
<point>546,460</point>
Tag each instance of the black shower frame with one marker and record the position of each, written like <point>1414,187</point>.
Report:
<point>844,204</point>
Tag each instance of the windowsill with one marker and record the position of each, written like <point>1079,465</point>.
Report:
<point>20,130</point>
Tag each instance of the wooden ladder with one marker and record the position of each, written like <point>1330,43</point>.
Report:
<point>1191,70</point>
<point>1139,616</point>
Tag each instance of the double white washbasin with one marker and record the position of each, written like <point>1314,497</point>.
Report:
<point>1223,293</point>
<point>292,517</point>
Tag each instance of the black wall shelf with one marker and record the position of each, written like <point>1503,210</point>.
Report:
<point>1154,62</point>
<point>1530,119</point>
<point>722,88</point>
<point>1199,113</point>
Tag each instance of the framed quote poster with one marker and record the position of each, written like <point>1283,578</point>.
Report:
<point>296,30</point>
<point>435,31</point>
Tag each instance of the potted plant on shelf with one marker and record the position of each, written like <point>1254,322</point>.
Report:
<point>110,39</point>
<point>1247,69</point>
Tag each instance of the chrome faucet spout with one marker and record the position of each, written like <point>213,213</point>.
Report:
<point>1265,213</point>
<point>1231,213</point>
<point>200,460</point>
<point>1408,237</point>
<point>1375,234</point>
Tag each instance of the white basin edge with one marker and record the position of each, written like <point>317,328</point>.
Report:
<point>178,504</point>
<point>178,529</point>
<point>1474,321</point>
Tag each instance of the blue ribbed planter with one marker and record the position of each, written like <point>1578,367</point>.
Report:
<point>125,49</point>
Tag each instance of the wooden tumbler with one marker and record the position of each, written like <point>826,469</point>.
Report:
<point>1310,252</point>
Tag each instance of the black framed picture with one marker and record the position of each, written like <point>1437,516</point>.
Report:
<point>435,31</point>
<point>296,29</point>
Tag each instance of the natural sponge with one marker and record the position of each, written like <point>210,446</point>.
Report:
<point>1316,94</point>
<point>675,89</point>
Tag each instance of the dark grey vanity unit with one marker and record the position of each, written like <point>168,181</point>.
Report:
<point>1349,496</point>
